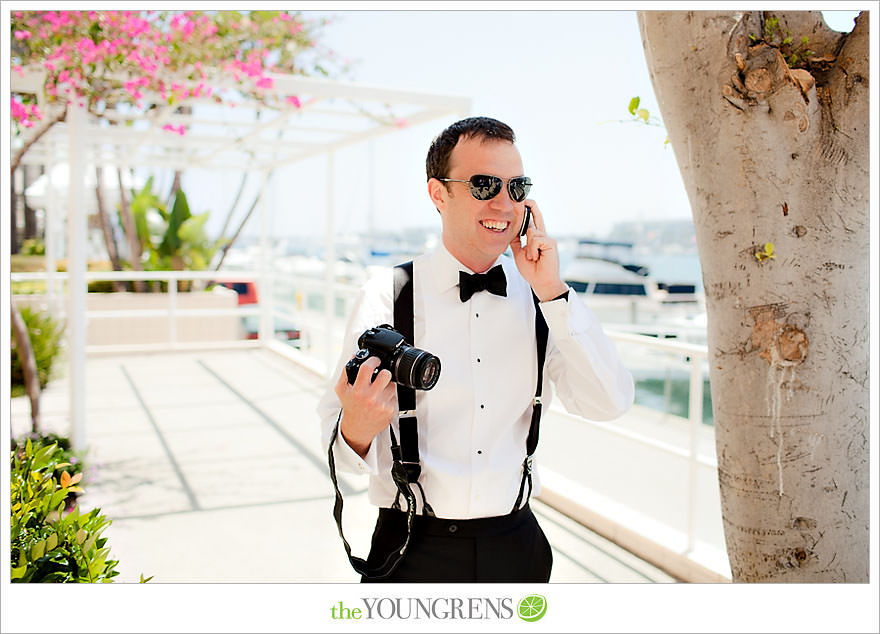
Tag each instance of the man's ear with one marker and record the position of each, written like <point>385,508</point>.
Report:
<point>438,193</point>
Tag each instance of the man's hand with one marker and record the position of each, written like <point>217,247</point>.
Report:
<point>367,407</point>
<point>538,261</point>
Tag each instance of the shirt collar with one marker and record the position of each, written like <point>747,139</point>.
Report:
<point>445,267</point>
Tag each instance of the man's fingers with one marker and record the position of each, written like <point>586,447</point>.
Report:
<point>365,373</point>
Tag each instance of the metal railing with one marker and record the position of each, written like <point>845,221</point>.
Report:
<point>320,313</point>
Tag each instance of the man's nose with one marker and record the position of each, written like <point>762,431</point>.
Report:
<point>503,201</point>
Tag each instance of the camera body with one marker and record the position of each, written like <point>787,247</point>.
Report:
<point>409,366</point>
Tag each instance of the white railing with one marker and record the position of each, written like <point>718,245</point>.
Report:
<point>319,313</point>
<point>695,355</point>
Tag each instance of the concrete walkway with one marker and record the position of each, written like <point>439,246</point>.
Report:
<point>210,466</point>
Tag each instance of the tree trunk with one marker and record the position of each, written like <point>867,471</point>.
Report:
<point>13,217</point>
<point>59,115</point>
<point>128,226</point>
<point>28,364</point>
<point>225,248</point>
<point>771,154</point>
<point>30,214</point>
<point>107,226</point>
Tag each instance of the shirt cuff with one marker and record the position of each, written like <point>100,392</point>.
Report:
<point>567,316</point>
<point>349,458</point>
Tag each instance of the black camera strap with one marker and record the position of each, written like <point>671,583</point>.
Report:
<point>399,475</point>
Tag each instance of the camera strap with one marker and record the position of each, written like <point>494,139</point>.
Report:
<point>398,474</point>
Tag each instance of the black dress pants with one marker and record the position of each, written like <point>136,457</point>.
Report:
<point>505,549</point>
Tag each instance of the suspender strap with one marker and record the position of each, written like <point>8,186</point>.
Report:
<point>404,323</point>
<point>541,334</point>
<point>406,396</point>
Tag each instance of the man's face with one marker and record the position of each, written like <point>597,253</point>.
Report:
<point>475,231</point>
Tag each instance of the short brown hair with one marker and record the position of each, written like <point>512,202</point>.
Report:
<point>437,163</point>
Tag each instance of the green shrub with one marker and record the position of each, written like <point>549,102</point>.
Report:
<point>74,459</point>
<point>45,336</point>
<point>47,544</point>
<point>33,246</point>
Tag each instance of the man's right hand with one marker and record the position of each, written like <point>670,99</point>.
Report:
<point>367,407</point>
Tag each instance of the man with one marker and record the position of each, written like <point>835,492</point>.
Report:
<point>473,425</point>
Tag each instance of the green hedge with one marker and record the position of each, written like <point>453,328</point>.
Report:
<point>47,543</point>
<point>45,334</point>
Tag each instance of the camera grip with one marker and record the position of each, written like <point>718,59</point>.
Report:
<point>354,365</point>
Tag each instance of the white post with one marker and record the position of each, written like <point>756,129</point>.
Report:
<point>77,226</point>
<point>266,330</point>
<point>172,311</point>
<point>695,415</point>
<point>329,270</point>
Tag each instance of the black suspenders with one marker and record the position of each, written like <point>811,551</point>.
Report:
<point>408,451</point>
<point>406,467</point>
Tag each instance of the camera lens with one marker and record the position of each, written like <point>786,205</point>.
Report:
<point>417,369</point>
<point>429,372</point>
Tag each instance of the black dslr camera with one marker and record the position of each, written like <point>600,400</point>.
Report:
<point>409,366</point>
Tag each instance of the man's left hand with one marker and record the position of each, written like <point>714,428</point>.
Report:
<point>538,261</point>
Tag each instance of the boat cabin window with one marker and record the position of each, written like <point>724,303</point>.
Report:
<point>604,288</point>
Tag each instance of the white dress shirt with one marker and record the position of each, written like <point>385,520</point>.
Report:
<point>474,422</point>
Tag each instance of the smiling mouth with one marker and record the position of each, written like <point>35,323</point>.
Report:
<point>495,225</point>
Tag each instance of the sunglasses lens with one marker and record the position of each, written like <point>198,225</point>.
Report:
<point>519,188</point>
<point>485,187</point>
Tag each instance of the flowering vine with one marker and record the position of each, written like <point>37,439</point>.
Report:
<point>101,59</point>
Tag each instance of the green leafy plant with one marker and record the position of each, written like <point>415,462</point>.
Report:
<point>47,544</point>
<point>33,246</point>
<point>642,115</point>
<point>75,460</point>
<point>45,334</point>
<point>173,239</point>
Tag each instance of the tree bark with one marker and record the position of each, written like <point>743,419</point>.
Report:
<point>225,248</point>
<point>128,226</point>
<point>13,217</point>
<point>28,364</point>
<point>107,227</point>
<point>43,129</point>
<point>30,214</point>
<point>774,154</point>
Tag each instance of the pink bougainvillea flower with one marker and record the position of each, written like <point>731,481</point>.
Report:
<point>180,129</point>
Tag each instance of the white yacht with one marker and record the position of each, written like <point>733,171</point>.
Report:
<point>624,294</point>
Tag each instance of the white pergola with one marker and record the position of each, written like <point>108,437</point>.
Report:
<point>250,137</point>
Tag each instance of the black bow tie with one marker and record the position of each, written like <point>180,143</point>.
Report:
<point>493,281</point>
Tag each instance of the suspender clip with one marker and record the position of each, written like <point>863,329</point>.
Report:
<point>527,464</point>
<point>407,413</point>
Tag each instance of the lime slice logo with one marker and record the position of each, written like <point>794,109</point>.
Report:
<point>532,607</point>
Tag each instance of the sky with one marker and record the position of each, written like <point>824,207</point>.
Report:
<point>561,79</point>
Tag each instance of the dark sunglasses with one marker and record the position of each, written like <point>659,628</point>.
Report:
<point>484,187</point>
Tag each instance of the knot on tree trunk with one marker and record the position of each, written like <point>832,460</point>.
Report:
<point>779,343</point>
<point>772,49</point>
<point>762,71</point>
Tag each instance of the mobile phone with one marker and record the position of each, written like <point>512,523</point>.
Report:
<point>527,218</point>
